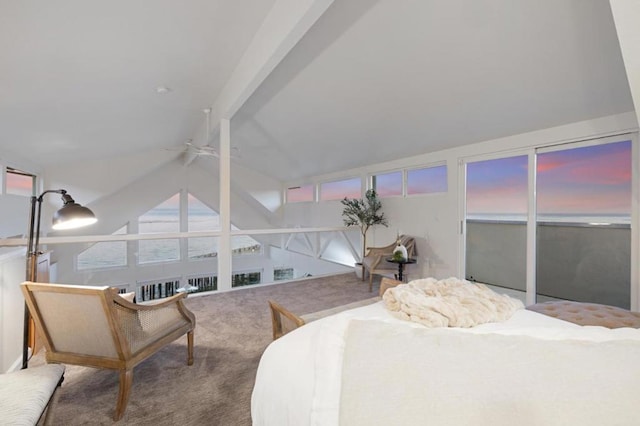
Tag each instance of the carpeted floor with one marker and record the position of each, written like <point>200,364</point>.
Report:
<point>232,331</point>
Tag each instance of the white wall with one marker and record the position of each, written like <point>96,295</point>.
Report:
<point>434,219</point>
<point>12,273</point>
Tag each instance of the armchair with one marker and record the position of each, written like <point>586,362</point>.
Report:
<point>283,320</point>
<point>374,260</point>
<point>95,327</point>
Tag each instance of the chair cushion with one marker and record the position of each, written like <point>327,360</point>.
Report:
<point>588,314</point>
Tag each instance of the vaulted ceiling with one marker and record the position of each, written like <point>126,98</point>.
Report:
<point>369,81</point>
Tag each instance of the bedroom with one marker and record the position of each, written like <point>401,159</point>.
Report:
<point>350,76</point>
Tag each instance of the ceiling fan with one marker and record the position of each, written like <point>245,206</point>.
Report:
<point>206,150</point>
<point>203,151</point>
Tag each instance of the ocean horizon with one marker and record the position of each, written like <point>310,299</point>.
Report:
<point>587,218</point>
<point>114,253</point>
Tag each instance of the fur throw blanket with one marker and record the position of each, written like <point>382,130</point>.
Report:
<point>449,303</point>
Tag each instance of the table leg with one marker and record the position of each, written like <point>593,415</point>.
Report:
<point>400,271</point>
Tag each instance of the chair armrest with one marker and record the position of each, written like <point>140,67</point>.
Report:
<point>150,305</point>
<point>277,314</point>
<point>387,283</point>
<point>380,251</point>
<point>144,324</point>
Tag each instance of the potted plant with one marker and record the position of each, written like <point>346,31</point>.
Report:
<point>363,213</point>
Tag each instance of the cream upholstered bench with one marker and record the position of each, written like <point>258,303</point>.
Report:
<point>284,321</point>
<point>588,314</point>
<point>25,394</point>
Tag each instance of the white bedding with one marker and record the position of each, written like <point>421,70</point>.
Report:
<point>299,378</point>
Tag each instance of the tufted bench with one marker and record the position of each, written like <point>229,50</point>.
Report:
<point>588,314</point>
<point>25,394</point>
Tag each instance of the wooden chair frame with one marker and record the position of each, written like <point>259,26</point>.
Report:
<point>126,359</point>
<point>374,261</point>
<point>278,312</point>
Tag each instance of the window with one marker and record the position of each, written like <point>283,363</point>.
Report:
<point>151,290</point>
<point>163,218</point>
<point>202,218</point>
<point>337,190</point>
<point>300,194</point>
<point>387,184</point>
<point>428,180</point>
<point>583,233</point>
<point>203,283</point>
<point>246,278</point>
<point>242,245</point>
<point>282,273</point>
<point>496,232</point>
<point>106,254</point>
<point>19,183</point>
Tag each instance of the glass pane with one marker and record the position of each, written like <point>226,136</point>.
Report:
<point>388,184</point>
<point>151,290</point>
<point>427,181</point>
<point>163,218</point>
<point>583,224</point>
<point>282,273</point>
<point>106,254</point>
<point>202,218</point>
<point>246,278</point>
<point>299,194</point>
<point>203,283</point>
<point>350,188</point>
<point>245,245</point>
<point>496,243</point>
<point>158,250</point>
<point>19,183</point>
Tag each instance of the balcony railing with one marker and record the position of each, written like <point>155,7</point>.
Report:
<point>575,261</point>
<point>272,255</point>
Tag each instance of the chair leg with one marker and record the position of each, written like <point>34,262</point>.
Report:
<point>190,347</point>
<point>126,379</point>
<point>370,282</point>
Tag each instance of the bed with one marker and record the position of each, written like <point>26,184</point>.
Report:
<point>367,367</point>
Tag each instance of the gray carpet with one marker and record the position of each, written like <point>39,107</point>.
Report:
<point>232,331</point>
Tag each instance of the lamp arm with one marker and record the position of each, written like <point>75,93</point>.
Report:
<point>48,191</point>
<point>33,247</point>
<point>30,276</point>
<point>32,256</point>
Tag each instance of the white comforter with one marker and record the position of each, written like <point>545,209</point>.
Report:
<point>299,379</point>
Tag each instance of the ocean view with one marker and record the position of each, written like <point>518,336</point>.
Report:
<point>556,217</point>
<point>114,253</point>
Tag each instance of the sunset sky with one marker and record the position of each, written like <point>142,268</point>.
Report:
<point>592,180</point>
<point>589,180</point>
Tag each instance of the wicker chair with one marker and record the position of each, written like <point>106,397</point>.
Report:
<point>374,261</point>
<point>95,327</point>
<point>283,320</point>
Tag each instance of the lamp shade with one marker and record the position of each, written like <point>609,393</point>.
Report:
<point>72,215</point>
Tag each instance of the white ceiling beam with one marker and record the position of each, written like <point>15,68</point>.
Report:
<point>625,16</point>
<point>286,23</point>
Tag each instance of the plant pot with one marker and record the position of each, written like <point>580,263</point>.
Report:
<point>358,269</point>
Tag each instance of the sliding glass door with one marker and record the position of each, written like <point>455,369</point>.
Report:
<point>495,222</point>
<point>560,230</point>
<point>583,223</point>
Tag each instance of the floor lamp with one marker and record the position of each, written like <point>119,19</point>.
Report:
<point>70,215</point>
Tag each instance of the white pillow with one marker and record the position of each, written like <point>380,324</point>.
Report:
<point>129,297</point>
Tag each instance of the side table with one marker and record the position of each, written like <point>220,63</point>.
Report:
<point>401,264</point>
